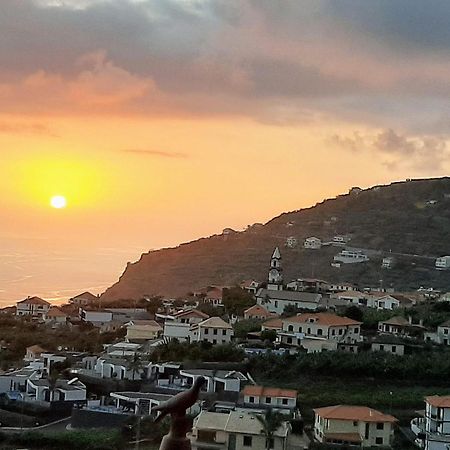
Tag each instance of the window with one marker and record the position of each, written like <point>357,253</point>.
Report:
<point>276,306</point>
<point>300,329</point>
<point>445,330</point>
<point>224,332</point>
<point>308,331</point>
<point>381,347</point>
<point>355,423</point>
<point>319,332</point>
<point>215,331</point>
<point>206,330</point>
<point>340,331</point>
<point>367,431</point>
<point>333,332</point>
<point>379,441</point>
<point>247,441</point>
<point>268,400</point>
<point>251,399</point>
<point>394,349</point>
<point>289,340</point>
<point>380,426</point>
<point>356,330</point>
<point>284,401</point>
<point>291,328</point>
<point>214,341</point>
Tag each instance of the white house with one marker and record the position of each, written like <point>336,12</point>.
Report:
<point>142,330</point>
<point>176,330</point>
<point>340,239</point>
<point>64,390</point>
<point>32,306</point>
<point>324,329</point>
<point>351,257</point>
<point>84,299</point>
<point>291,242</point>
<point>96,317</point>
<point>388,262</point>
<point>55,316</point>
<point>399,326</point>
<point>437,422</point>
<point>235,430</point>
<point>353,425</point>
<point>275,301</point>
<point>312,243</point>
<point>214,330</point>
<point>442,263</point>
<point>281,400</point>
<point>16,380</point>
<point>442,334</point>
<point>257,312</point>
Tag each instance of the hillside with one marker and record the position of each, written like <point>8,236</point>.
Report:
<point>411,217</point>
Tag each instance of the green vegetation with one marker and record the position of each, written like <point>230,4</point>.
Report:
<point>243,327</point>
<point>197,351</point>
<point>86,439</point>
<point>16,334</point>
<point>237,300</point>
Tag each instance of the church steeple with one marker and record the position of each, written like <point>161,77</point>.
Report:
<point>275,272</point>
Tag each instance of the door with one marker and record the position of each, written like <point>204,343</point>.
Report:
<point>231,442</point>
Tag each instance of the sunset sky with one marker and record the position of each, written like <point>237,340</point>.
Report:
<point>161,121</point>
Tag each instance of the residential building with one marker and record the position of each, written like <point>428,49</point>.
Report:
<point>142,330</point>
<point>400,326</point>
<point>274,324</point>
<point>55,316</point>
<point>389,344</point>
<point>214,330</point>
<point>276,301</point>
<point>308,285</point>
<point>16,380</point>
<point>32,306</point>
<point>190,316</point>
<point>352,297</point>
<point>216,380</point>
<point>442,263</point>
<point>213,295</point>
<point>437,422</point>
<point>341,287</point>
<point>388,262</point>
<point>257,312</point>
<point>340,239</point>
<point>235,430</point>
<point>312,243</point>
<point>291,242</point>
<point>319,331</point>
<point>85,299</point>
<point>351,257</point>
<point>281,400</point>
<point>353,425</point>
<point>33,353</point>
<point>250,286</point>
<point>64,390</point>
<point>441,335</point>
<point>97,317</point>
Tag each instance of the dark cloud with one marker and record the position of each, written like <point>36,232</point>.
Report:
<point>398,149</point>
<point>241,57</point>
<point>155,153</point>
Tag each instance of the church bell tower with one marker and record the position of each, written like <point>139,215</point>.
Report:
<point>275,272</point>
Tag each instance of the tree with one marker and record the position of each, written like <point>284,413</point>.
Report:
<point>134,364</point>
<point>353,312</point>
<point>243,327</point>
<point>237,300</point>
<point>270,421</point>
<point>269,335</point>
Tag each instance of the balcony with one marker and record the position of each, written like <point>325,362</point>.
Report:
<point>418,425</point>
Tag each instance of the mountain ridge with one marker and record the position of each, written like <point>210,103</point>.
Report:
<point>407,217</point>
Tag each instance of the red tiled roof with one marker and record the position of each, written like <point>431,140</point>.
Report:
<point>54,311</point>
<point>261,391</point>
<point>257,309</point>
<point>439,401</point>
<point>85,296</point>
<point>322,319</point>
<point>34,301</point>
<point>362,413</point>
<point>191,313</point>
<point>36,349</point>
<point>273,323</point>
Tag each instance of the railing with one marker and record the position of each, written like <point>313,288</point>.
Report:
<point>418,425</point>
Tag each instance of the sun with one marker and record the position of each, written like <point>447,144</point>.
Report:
<point>58,202</point>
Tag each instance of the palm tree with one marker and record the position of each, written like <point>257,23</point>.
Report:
<point>270,421</point>
<point>135,364</point>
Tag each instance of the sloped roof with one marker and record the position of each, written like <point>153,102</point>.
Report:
<point>275,323</point>
<point>262,391</point>
<point>322,319</point>
<point>439,401</point>
<point>147,324</point>
<point>397,320</point>
<point>54,311</point>
<point>85,296</point>
<point>346,412</point>
<point>36,349</point>
<point>257,309</point>
<point>34,301</point>
<point>191,313</point>
<point>215,322</point>
<point>276,253</point>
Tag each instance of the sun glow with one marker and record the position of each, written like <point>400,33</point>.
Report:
<point>58,202</point>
